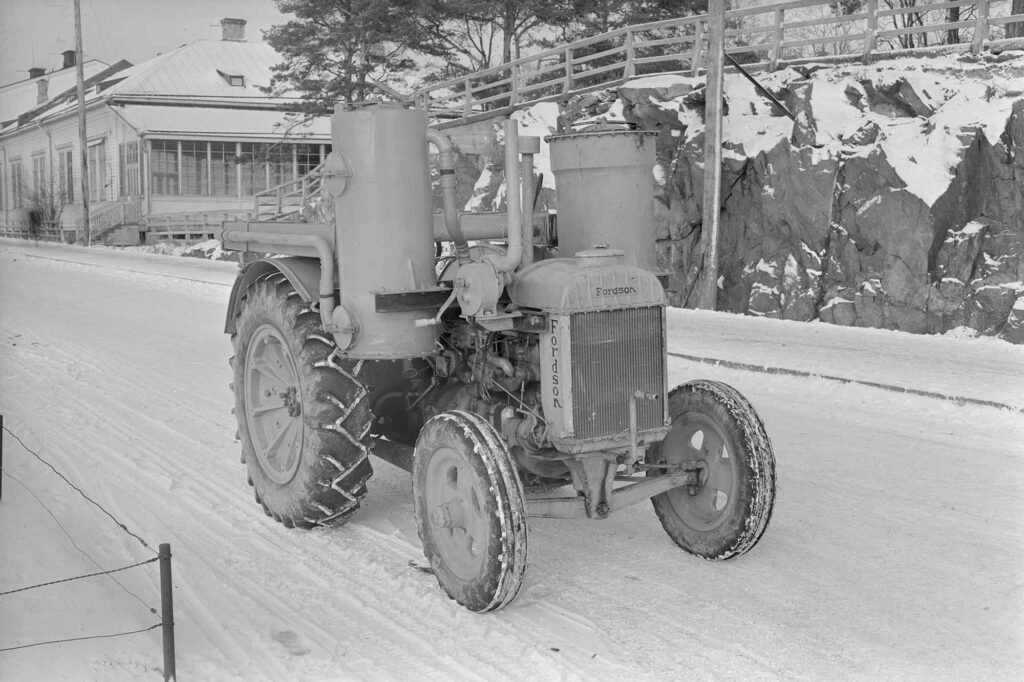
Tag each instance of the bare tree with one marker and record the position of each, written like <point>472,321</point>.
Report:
<point>45,200</point>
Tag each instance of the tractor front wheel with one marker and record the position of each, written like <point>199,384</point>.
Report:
<point>302,411</point>
<point>470,510</point>
<point>718,435</point>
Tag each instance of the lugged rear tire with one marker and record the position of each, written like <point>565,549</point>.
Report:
<point>303,414</point>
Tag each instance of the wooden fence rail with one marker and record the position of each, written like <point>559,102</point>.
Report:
<point>766,36</point>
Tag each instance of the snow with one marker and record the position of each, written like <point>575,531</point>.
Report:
<point>923,151</point>
<point>896,549</point>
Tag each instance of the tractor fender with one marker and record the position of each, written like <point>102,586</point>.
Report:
<point>302,273</point>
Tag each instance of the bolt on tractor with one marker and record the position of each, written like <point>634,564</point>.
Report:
<point>521,374</point>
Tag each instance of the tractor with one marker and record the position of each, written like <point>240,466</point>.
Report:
<point>513,363</point>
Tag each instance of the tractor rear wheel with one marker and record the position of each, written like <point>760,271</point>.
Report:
<point>717,433</point>
<point>303,415</point>
<point>470,510</point>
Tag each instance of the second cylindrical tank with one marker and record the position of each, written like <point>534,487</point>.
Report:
<point>605,186</point>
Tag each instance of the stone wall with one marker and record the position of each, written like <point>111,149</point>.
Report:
<point>895,200</point>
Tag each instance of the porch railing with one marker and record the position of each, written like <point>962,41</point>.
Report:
<point>288,199</point>
<point>189,226</point>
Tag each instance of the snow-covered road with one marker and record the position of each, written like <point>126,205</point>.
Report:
<point>896,549</point>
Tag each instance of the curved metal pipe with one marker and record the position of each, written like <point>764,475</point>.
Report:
<point>323,251</point>
<point>530,146</point>
<point>446,167</point>
<point>513,200</point>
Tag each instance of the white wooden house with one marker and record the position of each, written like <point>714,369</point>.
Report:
<point>188,131</point>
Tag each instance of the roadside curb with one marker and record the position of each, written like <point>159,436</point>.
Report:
<point>783,371</point>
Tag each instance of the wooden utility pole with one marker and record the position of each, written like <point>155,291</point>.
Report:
<point>82,137</point>
<point>707,285</point>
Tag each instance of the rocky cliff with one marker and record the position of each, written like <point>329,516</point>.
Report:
<point>895,200</point>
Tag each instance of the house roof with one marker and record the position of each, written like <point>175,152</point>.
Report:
<point>21,96</point>
<point>197,75</point>
<point>207,122</point>
<point>198,69</point>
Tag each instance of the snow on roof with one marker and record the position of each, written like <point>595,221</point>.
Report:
<point>206,122</point>
<point>17,98</point>
<point>192,71</point>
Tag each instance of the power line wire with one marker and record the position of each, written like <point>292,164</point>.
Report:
<point>79,490</point>
<point>80,577</point>
<point>79,639</point>
<point>72,539</point>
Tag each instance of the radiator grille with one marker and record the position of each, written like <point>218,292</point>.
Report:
<point>614,353</point>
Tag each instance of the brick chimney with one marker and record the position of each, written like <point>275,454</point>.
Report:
<point>41,90</point>
<point>233,29</point>
<point>36,72</point>
<point>69,59</point>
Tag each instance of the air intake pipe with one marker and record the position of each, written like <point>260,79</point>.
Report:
<point>446,168</point>
<point>510,261</point>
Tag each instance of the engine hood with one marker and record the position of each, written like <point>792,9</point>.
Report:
<point>596,279</point>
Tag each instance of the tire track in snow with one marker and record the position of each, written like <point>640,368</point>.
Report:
<point>143,442</point>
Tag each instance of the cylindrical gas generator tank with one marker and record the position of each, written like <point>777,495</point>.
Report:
<point>605,188</point>
<point>383,227</point>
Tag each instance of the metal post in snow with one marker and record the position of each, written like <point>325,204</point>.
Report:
<point>167,611</point>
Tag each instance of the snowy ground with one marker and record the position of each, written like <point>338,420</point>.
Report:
<point>896,549</point>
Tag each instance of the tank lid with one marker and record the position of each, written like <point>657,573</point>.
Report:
<point>599,255</point>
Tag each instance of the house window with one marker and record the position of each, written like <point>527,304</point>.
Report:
<point>252,162</point>
<point>39,174</point>
<point>98,171</point>
<point>223,168</point>
<point>17,184</point>
<point>195,168</point>
<point>235,80</point>
<point>281,164</point>
<point>308,157</point>
<point>66,171</point>
<point>163,160</point>
<point>130,185</point>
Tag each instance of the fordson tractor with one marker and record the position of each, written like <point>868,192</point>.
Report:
<point>521,373</point>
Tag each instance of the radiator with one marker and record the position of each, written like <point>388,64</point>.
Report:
<point>615,353</point>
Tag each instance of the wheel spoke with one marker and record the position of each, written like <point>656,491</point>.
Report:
<point>476,530</point>
<point>271,448</point>
<point>263,409</point>
<point>720,476</point>
<point>262,366</point>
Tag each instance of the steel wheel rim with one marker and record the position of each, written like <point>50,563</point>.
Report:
<point>273,406</point>
<point>455,506</point>
<point>707,506</point>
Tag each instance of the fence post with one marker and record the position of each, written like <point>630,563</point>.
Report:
<point>773,63</point>
<point>467,103</point>
<point>513,83</point>
<point>1,457</point>
<point>981,29</point>
<point>698,47</point>
<point>871,32</point>
<point>630,69</point>
<point>567,82</point>
<point>167,611</point>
